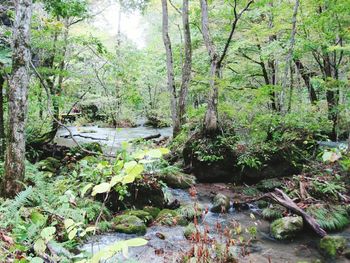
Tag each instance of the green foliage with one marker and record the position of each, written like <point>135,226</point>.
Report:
<point>331,218</point>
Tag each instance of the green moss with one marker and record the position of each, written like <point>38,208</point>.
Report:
<point>190,230</point>
<point>286,227</point>
<point>268,185</point>
<point>129,224</point>
<point>221,203</point>
<point>143,215</point>
<point>177,179</point>
<point>190,211</point>
<point>105,226</point>
<point>272,212</point>
<point>331,218</point>
<point>170,217</point>
<point>251,191</point>
<point>50,164</point>
<point>153,211</point>
<point>332,245</point>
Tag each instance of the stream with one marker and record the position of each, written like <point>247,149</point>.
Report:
<point>304,248</point>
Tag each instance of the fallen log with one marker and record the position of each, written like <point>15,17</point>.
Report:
<point>283,199</point>
<point>84,136</point>
<point>155,136</point>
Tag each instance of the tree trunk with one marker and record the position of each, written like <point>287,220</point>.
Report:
<point>211,116</point>
<point>18,94</point>
<point>289,55</point>
<point>170,64</point>
<point>2,126</point>
<point>186,68</point>
<point>307,79</point>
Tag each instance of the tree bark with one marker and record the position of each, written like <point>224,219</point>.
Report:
<point>186,68</point>
<point>211,115</point>
<point>18,94</point>
<point>307,80</point>
<point>169,63</point>
<point>2,125</point>
<point>289,54</point>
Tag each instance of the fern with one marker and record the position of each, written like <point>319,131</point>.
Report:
<point>272,212</point>
<point>332,218</point>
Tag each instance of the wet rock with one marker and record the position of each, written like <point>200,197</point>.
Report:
<point>286,227</point>
<point>190,211</point>
<point>153,211</point>
<point>129,224</point>
<point>331,246</point>
<point>50,164</point>
<point>190,231</point>
<point>170,217</point>
<point>346,253</point>
<point>221,203</point>
<point>143,215</point>
<point>177,179</point>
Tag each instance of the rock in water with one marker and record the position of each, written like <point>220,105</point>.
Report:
<point>221,204</point>
<point>129,224</point>
<point>286,227</point>
<point>332,245</point>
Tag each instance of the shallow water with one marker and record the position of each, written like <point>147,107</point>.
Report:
<point>264,249</point>
<point>111,137</point>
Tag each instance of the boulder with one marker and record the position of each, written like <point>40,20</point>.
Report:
<point>190,230</point>
<point>286,227</point>
<point>143,215</point>
<point>153,211</point>
<point>331,246</point>
<point>50,164</point>
<point>129,224</point>
<point>170,217</point>
<point>190,211</point>
<point>221,203</point>
<point>177,179</point>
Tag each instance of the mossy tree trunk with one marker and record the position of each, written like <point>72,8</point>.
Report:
<point>2,126</point>
<point>18,95</point>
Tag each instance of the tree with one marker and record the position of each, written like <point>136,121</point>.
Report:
<point>216,63</point>
<point>178,101</point>
<point>18,92</point>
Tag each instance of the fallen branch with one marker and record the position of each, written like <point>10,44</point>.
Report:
<point>84,136</point>
<point>155,136</point>
<point>283,199</point>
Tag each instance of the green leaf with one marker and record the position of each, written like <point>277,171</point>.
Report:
<point>136,242</point>
<point>47,233</point>
<point>101,188</point>
<point>36,260</point>
<point>85,189</point>
<point>68,223</point>
<point>116,179</point>
<point>39,246</point>
<point>155,153</point>
<point>72,233</point>
<point>164,151</point>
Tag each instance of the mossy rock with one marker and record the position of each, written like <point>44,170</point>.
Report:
<point>269,185</point>
<point>251,191</point>
<point>129,224</point>
<point>190,230</point>
<point>286,227</point>
<point>170,217</point>
<point>50,164</point>
<point>273,212</point>
<point>143,215</point>
<point>190,211</point>
<point>331,246</point>
<point>262,204</point>
<point>221,203</point>
<point>177,179</point>
<point>153,211</point>
<point>330,218</point>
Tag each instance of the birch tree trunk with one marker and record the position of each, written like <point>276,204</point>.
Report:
<point>211,115</point>
<point>169,64</point>
<point>186,68</point>
<point>18,94</point>
<point>2,126</point>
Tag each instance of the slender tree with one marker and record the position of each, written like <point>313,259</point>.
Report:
<point>216,62</point>
<point>2,125</point>
<point>18,93</point>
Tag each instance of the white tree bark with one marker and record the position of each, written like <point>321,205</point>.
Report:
<point>18,94</point>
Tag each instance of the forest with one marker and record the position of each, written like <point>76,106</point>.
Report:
<point>191,131</point>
